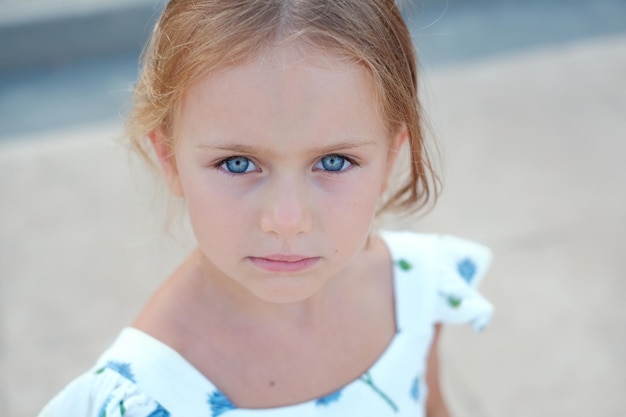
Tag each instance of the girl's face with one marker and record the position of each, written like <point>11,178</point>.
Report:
<point>281,161</point>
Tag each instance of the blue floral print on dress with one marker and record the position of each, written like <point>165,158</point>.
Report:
<point>367,378</point>
<point>467,269</point>
<point>159,412</point>
<point>415,389</point>
<point>121,368</point>
<point>220,403</point>
<point>103,409</point>
<point>327,399</point>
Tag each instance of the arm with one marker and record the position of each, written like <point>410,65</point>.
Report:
<point>435,403</point>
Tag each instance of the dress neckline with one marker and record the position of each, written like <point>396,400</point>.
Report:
<point>180,384</point>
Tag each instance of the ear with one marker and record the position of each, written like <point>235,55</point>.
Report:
<point>165,154</point>
<point>395,146</point>
<point>396,143</point>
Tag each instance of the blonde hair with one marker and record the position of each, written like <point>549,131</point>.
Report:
<point>195,37</point>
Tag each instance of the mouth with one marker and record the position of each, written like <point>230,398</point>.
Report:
<point>284,263</point>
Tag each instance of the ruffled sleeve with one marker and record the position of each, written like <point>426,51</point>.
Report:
<point>462,265</point>
<point>106,392</point>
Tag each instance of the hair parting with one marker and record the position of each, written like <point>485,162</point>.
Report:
<point>195,37</point>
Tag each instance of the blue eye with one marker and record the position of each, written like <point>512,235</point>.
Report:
<point>238,165</point>
<point>333,163</point>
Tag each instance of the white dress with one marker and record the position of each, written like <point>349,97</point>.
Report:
<point>434,278</point>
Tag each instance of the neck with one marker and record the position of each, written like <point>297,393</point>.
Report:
<point>226,300</point>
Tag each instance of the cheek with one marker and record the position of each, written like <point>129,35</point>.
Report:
<point>352,203</point>
<point>363,187</point>
<point>216,215</point>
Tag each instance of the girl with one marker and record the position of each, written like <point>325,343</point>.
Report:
<point>278,123</point>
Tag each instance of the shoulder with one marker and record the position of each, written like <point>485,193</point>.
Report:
<point>432,243</point>
<point>111,388</point>
<point>442,272</point>
<point>108,391</point>
<point>137,376</point>
<point>440,253</point>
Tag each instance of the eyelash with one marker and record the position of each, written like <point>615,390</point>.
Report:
<point>221,165</point>
<point>350,161</point>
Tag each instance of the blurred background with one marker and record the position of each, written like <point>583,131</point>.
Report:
<point>527,100</point>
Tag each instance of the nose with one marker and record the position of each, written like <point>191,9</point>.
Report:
<point>286,209</point>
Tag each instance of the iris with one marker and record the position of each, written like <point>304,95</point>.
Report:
<point>334,163</point>
<point>237,164</point>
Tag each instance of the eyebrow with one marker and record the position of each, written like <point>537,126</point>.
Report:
<point>248,149</point>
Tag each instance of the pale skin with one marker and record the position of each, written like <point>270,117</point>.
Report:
<point>281,162</point>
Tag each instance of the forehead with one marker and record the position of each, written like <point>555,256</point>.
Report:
<point>286,90</point>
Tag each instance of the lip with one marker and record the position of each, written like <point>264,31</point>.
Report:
<point>284,263</point>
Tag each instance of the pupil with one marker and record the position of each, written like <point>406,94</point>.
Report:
<point>237,165</point>
<point>332,163</point>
